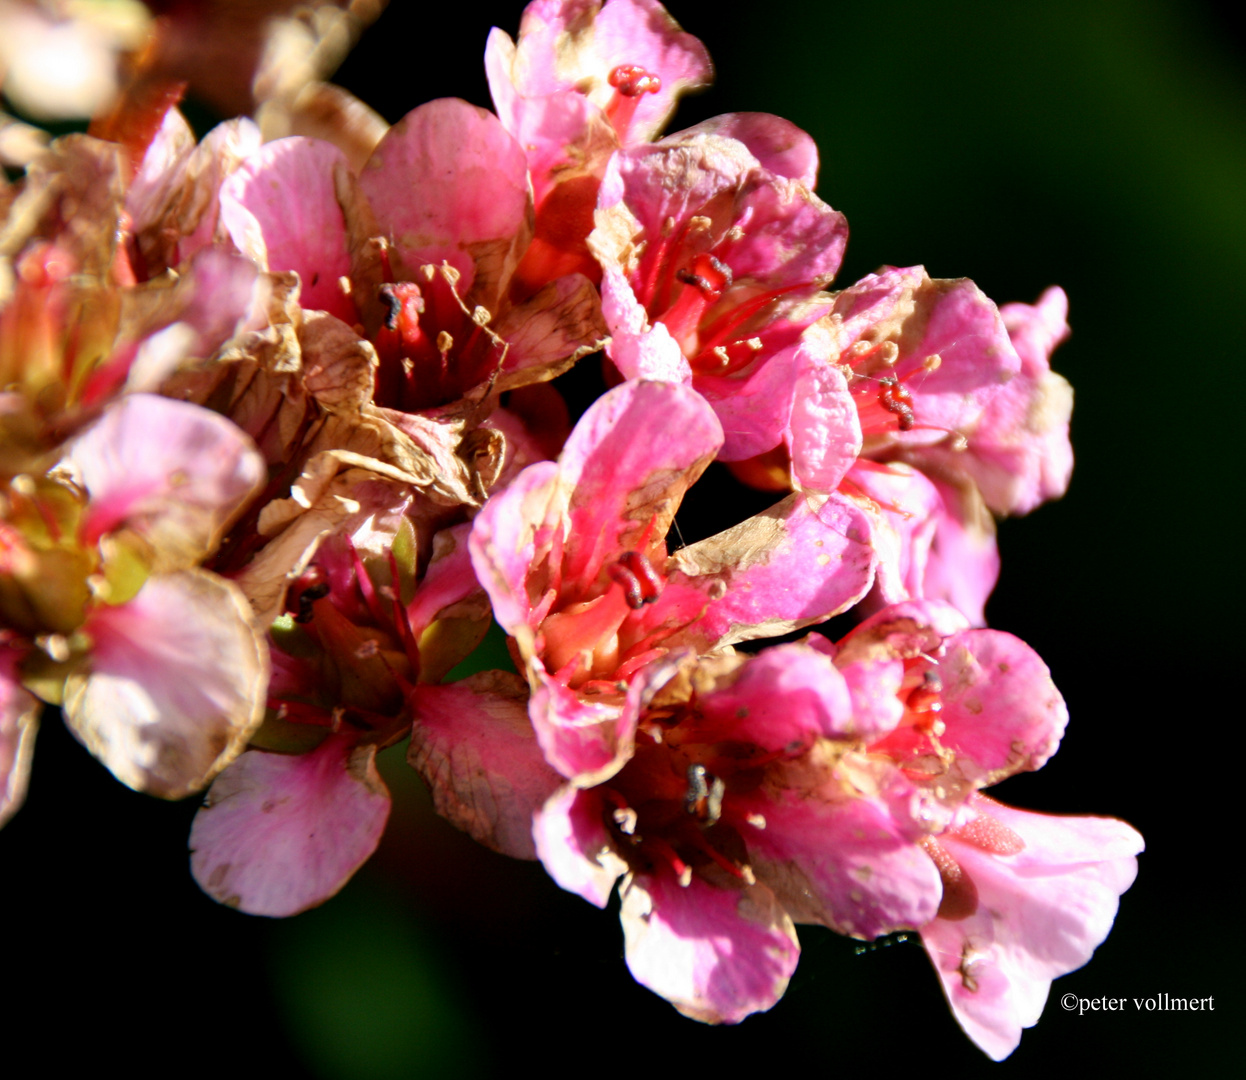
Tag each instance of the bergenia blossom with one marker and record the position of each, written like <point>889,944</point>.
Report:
<point>280,439</point>
<point>573,555</point>
<point>819,784</point>
<point>157,663</point>
<point>384,599</point>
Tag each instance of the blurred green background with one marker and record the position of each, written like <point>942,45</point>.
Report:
<point>1099,145</point>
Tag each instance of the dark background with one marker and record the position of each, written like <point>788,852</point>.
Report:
<point>1099,145</point>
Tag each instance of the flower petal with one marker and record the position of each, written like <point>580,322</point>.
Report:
<point>474,746</point>
<point>574,846</point>
<point>19,720</point>
<point>281,833</point>
<point>171,471</point>
<point>793,565</point>
<point>1041,913</point>
<point>716,954</point>
<point>176,684</point>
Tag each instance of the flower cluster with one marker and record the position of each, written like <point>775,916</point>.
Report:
<point>280,439</point>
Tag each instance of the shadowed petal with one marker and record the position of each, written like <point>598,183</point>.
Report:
<point>474,746</point>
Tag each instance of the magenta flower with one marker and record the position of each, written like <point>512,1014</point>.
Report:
<point>156,662</point>
<point>573,556</point>
<point>1027,898</point>
<point>811,783</point>
<point>1017,452</point>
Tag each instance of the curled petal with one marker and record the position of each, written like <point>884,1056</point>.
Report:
<point>793,565</point>
<point>1040,913</point>
<point>574,846</point>
<point>716,954</point>
<point>281,833</point>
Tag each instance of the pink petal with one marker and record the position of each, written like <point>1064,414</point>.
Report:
<point>849,864</point>
<point>513,533</point>
<point>905,504</point>
<point>574,845</point>
<point>628,462</point>
<point>448,580</point>
<point>172,471</point>
<point>716,954</point>
<point>176,685</point>
<point>281,833</point>
<point>445,178</point>
<point>589,740</point>
<point>796,564</point>
<point>281,208</point>
<point>778,144</point>
<point>784,697</point>
<point>824,436</point>
<point>575,44</point>
<point>1000,708</point>
<point>963,565</point>
<point>475,748</point>
<point>1041,912</point>
<point>19,720</point>
<point>638,349</point>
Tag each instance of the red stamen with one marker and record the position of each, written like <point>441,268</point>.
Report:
<point>897,400</point>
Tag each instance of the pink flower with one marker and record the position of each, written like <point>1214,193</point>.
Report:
<point>419,250</point>
<point>382,601</point>
<point>812,783</point>
<point>156,662</point>
<point>574,559</point>
<point>584,79</point>
<point>714,251</point>
<point>1017,453</point>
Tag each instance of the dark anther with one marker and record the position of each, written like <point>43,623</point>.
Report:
<point>704,797</point>
<point>895,399</point>
<point>311,586</point>
<point>709,274</point>
<point>641,584</point>
<point>394,302</point>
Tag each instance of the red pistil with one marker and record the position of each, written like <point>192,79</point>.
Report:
<point>631,80</point>
<point>641,583</point>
